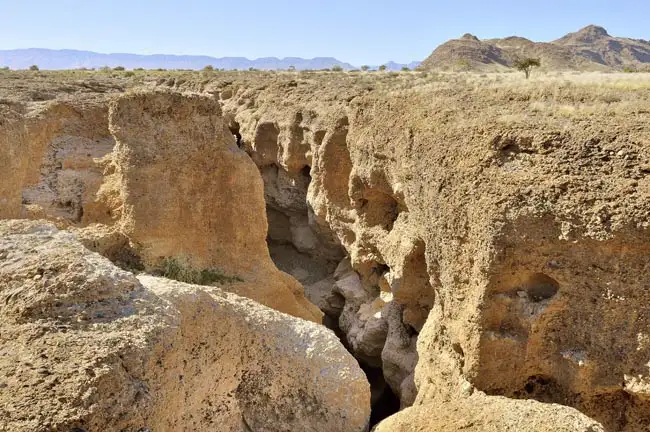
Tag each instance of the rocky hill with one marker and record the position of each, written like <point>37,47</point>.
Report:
<point>590,49</point>
<point>475,248</point>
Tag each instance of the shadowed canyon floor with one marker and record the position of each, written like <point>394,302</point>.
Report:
<point>476,244</point>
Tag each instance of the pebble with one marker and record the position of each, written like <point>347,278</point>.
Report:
<point>467,388</point>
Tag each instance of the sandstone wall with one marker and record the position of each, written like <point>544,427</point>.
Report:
<point>167,177</point>
<point>507,249</point>
<point>189,193</point>
<point>54,163</point>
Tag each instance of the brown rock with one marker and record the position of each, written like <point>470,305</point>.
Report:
<point>89,346</point>
<point>190,193</point>
<point>481,413</point>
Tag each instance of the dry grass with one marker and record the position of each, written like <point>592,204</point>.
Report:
<point>561,94</point>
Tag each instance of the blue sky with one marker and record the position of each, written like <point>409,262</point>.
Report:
<point>358,32</point>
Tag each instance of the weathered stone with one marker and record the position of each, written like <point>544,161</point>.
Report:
<point>481,413</point>
<point>208,210</point>
<point>90,346</point>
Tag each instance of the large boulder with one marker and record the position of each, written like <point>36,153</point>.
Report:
<point>480,413</point>
<point>87,346</point>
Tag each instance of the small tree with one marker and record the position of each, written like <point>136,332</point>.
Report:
<point>382,68</point>
<point>337,68</point>
<point>118,68</point>
<point>292,68</point>
<point>526,65</point>
<point>365,68</point>
<point>33,68</point>
<point>406,69</point>
<point>208,68</point>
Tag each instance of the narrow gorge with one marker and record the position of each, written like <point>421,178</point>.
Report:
<point>349,253</point>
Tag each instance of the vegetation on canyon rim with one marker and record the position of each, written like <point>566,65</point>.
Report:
<point>179,269</point>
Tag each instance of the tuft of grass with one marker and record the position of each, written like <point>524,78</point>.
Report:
<point>178,269</point>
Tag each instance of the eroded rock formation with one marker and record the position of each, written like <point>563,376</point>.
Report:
<point>81,163</point>
<point>501,251</point>
<point>475,257</point>
<point>189,192</point>
<point>88,346</point>
<point>53,159</point>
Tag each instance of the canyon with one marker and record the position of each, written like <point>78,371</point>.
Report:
<point>353,251</point>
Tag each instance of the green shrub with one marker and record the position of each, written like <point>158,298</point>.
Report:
<point>119,68</point>
<point>208,68</point>
<point>365,68</point>
<point>129,74</point>
<point>382,68</point>
<point>526,65</point>
<point>34,68</point>
<point>337,68</point>
<point>406,69</point>
<point>178,269</point>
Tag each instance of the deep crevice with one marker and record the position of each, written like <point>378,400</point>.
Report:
<point>287,210</point>
<point>234,129</point>
<point>384,403</point>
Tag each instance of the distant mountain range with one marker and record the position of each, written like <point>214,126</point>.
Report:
<point>591,48</point>
<point>74,59</point>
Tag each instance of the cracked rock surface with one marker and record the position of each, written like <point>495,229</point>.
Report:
<point>87,345</point>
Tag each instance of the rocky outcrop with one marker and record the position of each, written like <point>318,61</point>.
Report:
<point>494,244</point>
<point>207,208</point>
<point>207,211</point>
<point>479,413</point>
<point>55,159</point>
<point>87,346</point>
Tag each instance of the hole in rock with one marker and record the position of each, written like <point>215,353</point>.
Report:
<point>541,287</point>
<point>266,142</point>
<point>381,269</point>
<point>415,291</point>
<point>306,172</point>
<point>459,350</point>
<point>378,209</point>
